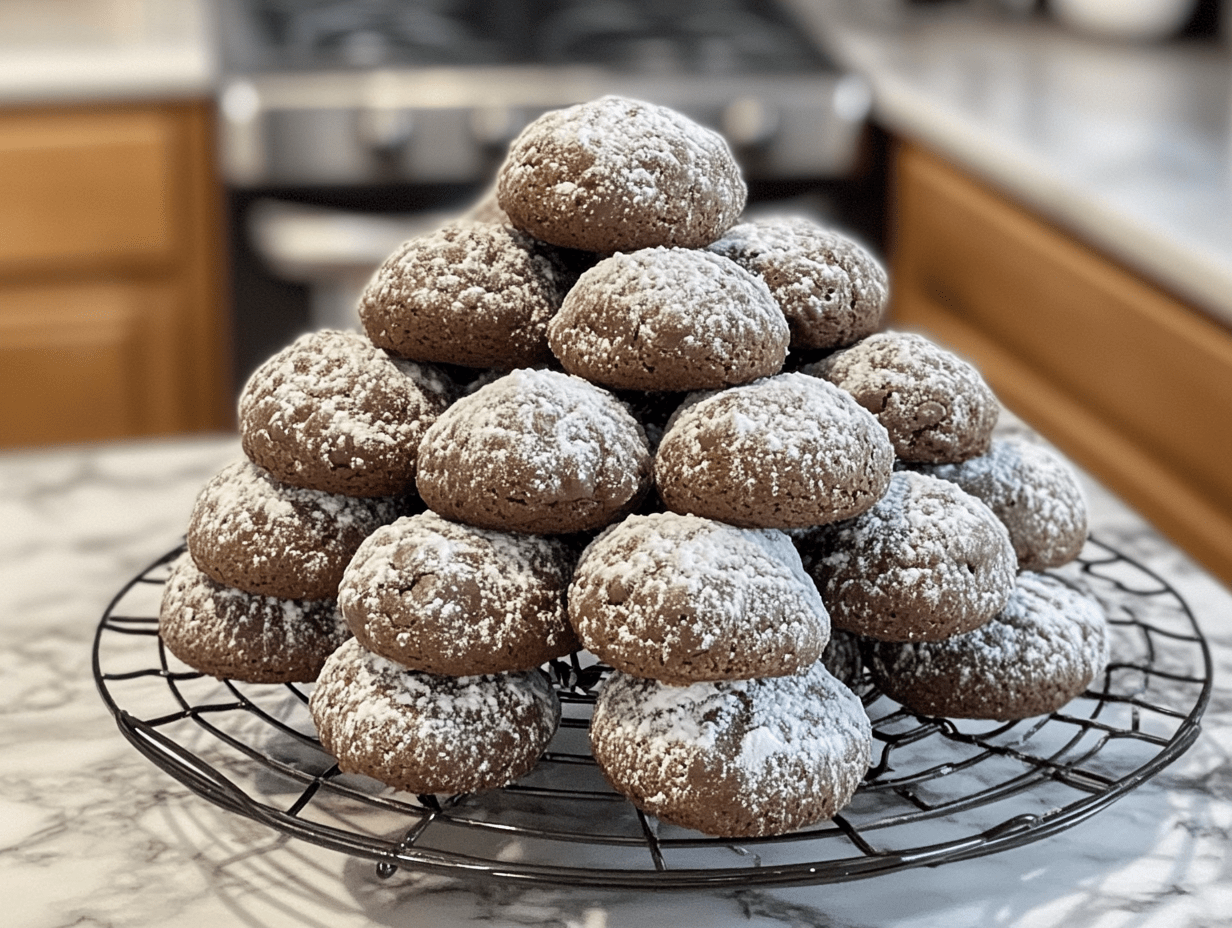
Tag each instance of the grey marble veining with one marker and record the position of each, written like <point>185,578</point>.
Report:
<point>91,833</point>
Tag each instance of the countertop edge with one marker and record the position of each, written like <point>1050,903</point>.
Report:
<point>1197,275</point>
<point>1190,274</point>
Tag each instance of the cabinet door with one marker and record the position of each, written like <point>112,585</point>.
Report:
<point>1124,377</point>
<point>83,362</point>
<point>112,321</point>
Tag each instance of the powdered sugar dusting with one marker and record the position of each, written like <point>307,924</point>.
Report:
<point>935,406</point>
<point>253,532</point>
<point>431,733</point>
<point>333,402</point>
<point>535,440</point>
<point>449,598</point>
<point>682,598</point>
<point>1039,652</point>
<point>832,291</point>
<point>669,318</point>
<point>615,175</point>
<point>224,631</point>
<point>927,561</point>
<point>778,753</point>
<point>475,294</point>
<point>1033,491</point>
<point>782,452</point>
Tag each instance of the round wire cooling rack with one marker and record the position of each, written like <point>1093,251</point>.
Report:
<point>940,789</point>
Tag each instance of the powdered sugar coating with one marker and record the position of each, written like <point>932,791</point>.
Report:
<point>252,532</point>
<point>832,291</point>
<point>684,599</point>
<point>333,412</point>
<point>474,294</point>
<point>935,405</point>
<point>783,452</point>
<point>446,598</point>
<point>669,319</point>
<point>1033,491</point>
<point>738,758</point>
<point>431,734</point>
<point>230,634</point>
<point>615,174</point>
<point>1043,649</point>
<point>926,562</point>
<point>535,451</point>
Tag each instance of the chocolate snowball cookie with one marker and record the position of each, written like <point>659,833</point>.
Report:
<point>535,451</point>
<point>784,452</point>
<point>1039,652</point>
<point>669,319</point>
<point>230,634</point>
<point>842,657</point>
<point>426,733</point>
<point>262,536</point>
<point>333,412</point>
<point>926,562</point>
<point>616,175</point>
<point>935,406</point>
<point>683,599</point>
<point>736,758</point>
<point>1033,491</point>
<point>474,294</point>
<point>832,291</point>
<point>445,598</point>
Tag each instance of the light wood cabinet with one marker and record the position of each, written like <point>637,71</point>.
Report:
<point>112,320</point>
<point>1132,383</point>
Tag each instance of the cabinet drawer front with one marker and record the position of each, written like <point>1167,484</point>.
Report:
<point>85,188</point>
<point>84,362</point>
<point>1143,362</point>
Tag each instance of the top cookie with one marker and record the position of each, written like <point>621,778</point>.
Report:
<point>936,407</point>
<point>333,412</point>
<point>616,175</point>
<point>832,291</point>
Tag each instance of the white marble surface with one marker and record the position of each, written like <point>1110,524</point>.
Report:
<point>1128,146</point>
<point>91,833</point>
<point>73,51</point>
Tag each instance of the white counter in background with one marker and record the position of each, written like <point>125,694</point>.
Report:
<point>77,51</point>
<point>92,833</point>
<point>1129,147</point>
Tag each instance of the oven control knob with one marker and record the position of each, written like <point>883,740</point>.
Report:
<point>748,122</point>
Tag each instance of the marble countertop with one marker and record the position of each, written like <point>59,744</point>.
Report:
<point>74,51</point>
<point>92,833</point>
<point>1127,146</point>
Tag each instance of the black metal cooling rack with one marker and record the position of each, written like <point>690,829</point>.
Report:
<point>940,790</point>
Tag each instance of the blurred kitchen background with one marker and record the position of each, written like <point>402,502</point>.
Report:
<point>186,185</point>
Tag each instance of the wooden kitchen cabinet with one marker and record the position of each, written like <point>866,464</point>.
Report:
<point>1128,380</point>
<point>112,320</point>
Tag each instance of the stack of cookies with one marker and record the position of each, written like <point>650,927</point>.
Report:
<point>612,416</point>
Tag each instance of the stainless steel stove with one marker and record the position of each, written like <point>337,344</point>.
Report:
<point>365,120</point>
<point>379,91</point>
